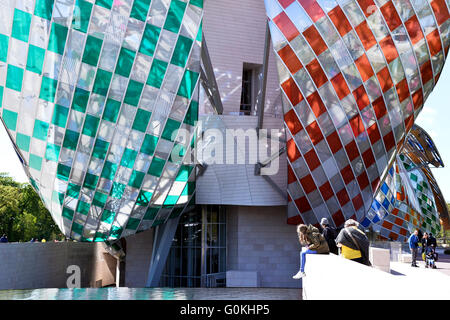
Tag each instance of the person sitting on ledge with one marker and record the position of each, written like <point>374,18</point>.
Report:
<point>353,243</point>
<point>313,242</point>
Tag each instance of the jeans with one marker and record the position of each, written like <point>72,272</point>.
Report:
<point>303,257</point>
<point>414,255</point>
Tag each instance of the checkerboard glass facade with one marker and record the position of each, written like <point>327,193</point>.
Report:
<point>100,99</point>
<point>354,75</point>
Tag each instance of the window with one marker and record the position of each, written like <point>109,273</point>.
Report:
<point>250,88</point>
<point>197,257</point>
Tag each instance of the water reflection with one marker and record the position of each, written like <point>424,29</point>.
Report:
<point>152,294</point>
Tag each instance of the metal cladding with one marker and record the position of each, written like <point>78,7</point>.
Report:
<point>410,197</point>
<point>91,92</point>
<point>354,75</point>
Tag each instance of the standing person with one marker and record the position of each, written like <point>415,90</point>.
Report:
<point>330,235</point>
<point>413,242</point>
<point>354,243</point>
<point>313,242</point>
<point>4,239</point>
<point>425,242</point>
<point>432,241</point>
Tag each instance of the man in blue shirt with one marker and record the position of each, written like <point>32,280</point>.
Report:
<point>413,242</point>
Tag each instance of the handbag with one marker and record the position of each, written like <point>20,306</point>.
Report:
<point>357,246</point>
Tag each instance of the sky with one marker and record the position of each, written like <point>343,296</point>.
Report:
<point>434,118</point>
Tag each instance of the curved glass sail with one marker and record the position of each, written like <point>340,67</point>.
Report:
<point>99,98</point>
<point>354,75</point>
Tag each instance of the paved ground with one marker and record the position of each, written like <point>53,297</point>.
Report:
<point>154,294</point>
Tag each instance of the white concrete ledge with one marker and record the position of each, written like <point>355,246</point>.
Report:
<point>332,277</point>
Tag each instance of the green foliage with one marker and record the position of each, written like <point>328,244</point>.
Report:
<point>22,213</point>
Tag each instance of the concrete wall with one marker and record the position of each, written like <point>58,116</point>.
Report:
<point>258,239</point>
<point>44,265</point>
<point>139,253</point>
<point>235,34</point>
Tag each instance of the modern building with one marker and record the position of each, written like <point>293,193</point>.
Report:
<point>94,93</point>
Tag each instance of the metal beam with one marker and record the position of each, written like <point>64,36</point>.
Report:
<point>211,78</point>
<point>161,246</point>
<point>262,93</point>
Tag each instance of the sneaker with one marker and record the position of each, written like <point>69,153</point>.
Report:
<point>299,275</point>
<point>414,265</point>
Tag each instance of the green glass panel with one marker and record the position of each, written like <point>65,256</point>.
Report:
<point>48,89</point>
<point>136,179</point>
<point>175,16</point>
<point>149,39</point>
<point>133,94</point>
<point>100,199</point>
<point>35,59</point>
<point>80,100</point>
<point>188,84</point>
<point>14,78</point>
<point>117,190</point>
<point>10,118</point>
<point>183,173</point>
<point>90,181</point>
<point>92,50</point>
<point>23,142</point>
<point>60,115</point>
<point>181,52</point>
<point>151,213</point>
<point>102,81</point>
<point>100,149</point>
<point>21,25</point>
<point>81,15</point>
<point>73,190</point>
<point>140,9</point>
<point>4,42</point>
<point>44,8</point>
<point>128,158</point>
<point>58,36</point>
<point>108,216</point>
<point>83,207</point>
<point>71,140</point>
<point>157,72</point>
<point>109,170</point>
<point>133,223</point>
<point>141,120</point>
<point>112,109</point>
<point>170,129</point>
<point>144,198</point>
<point>149,144</point>
<point>156,167</point>
<point>63,172</point>
<point>198,3</point>
<point>91,125</point>
<point>192,114</point>
<point>40,130</point>
<point>77,228</point>
<point>52,152</point>
<point>104,3</point>
<point>115,232</point>
<point>35,162</point>
<point>171,200</point>
<point>125,62</point>
<point>176,212</point>
<point>67,213</point>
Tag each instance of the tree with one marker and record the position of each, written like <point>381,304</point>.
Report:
<point>22,214</point>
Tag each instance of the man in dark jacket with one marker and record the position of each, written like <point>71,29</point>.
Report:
<point>330,235</point>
